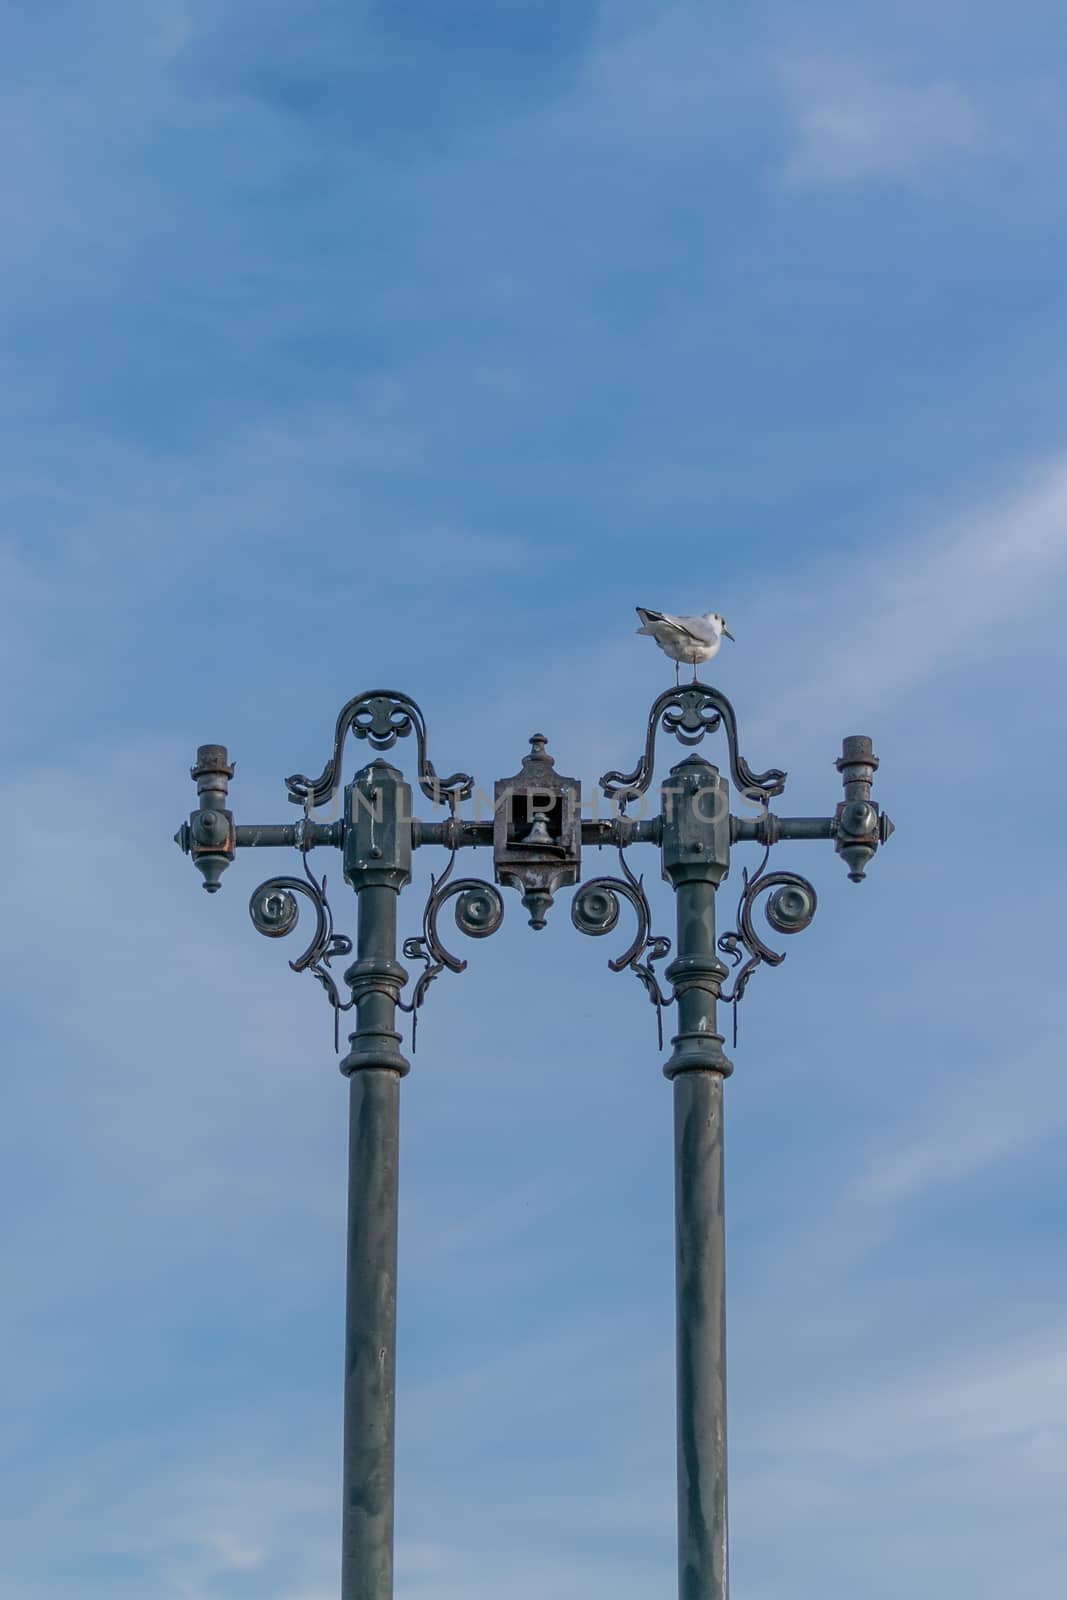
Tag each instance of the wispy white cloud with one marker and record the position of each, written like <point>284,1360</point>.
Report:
<point>931,600</point>
<point>972,1132</point>
<point>850,124</point>
<point>1003,1390</point>
<point>983,1123</point>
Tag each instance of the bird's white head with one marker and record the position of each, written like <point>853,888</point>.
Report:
<point>718,623</point>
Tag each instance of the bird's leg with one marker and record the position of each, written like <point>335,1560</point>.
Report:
<point>677,672</point>
<point>694,672</point>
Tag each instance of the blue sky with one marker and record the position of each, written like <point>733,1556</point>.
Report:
<point>414,342</point>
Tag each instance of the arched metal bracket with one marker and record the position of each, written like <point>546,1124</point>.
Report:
<point>595,911</point>
<point>688,714</point>
<point>789,910</point>
<point>381,716</point>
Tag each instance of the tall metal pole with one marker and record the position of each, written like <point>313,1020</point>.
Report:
<point>700,1288</point>
<point>377,862</point>
<point>696,842</point>
<point>370,1337</point>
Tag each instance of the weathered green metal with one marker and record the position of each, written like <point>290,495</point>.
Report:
<point>696,858</point>
<point>688,714</point>
<point>860,828</point>
<point>381,716</point>
<point>771,829</point>
<point>209,837</point>
<point>377,859</point>
<point>370,1336</point>
<point>537,836</point>
<point>377,863</point>
<point>302,835</point>
<point>700,1298</point>
<point>537,830</point>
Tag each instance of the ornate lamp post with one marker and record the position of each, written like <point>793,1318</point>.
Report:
<point>537,835</point>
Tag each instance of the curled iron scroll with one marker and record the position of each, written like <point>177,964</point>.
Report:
<point>275,912</point>
<point>479,912</point>
<point>381,716</point>
<point>595,911</point>
<point>689,713</point>
<point>789,910</point>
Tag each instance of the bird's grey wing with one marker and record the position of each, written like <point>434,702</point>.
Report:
<point>691,627</point>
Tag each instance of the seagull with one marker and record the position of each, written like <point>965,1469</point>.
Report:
<point>685,638</point>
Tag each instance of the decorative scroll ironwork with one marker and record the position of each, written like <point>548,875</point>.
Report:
<point>689,713</point>
<point>595,910</point>
<point>381,716</point>
<point>275,912</point>
<point>479,912</point>
<point>789,910</point>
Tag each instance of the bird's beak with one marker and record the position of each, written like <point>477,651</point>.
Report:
<point>729,635</point>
